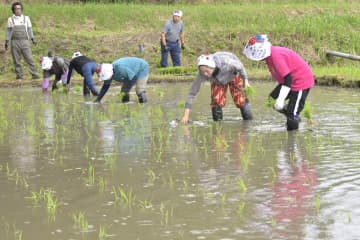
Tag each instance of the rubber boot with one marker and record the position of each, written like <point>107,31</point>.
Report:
<point>45,84</point>
<point>292,123</point>
<point>94,91</point>
<point>54,86</point>
<point>217,113</point>
<point>86,90</point>
<point>125,97</point>
<point>246,112</point>
<point>142,97</point>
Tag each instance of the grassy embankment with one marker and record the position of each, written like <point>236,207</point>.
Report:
<point>107,32</point>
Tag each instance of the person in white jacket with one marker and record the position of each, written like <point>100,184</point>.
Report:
<point>224,70</point>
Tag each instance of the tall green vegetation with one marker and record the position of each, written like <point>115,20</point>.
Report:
<point>108,31</point>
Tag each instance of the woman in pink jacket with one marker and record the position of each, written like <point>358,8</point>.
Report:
<point>293,74</point>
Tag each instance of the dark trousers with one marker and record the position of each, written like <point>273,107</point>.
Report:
<point>296,101</point>
<point>87,71</point>
<point>175,52</point>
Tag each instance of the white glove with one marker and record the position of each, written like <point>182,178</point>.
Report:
<point>280,101</point>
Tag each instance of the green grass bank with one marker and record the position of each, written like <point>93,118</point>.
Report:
<point>106,32</point>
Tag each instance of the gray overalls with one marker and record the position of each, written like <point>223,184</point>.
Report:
<point>20,46</point>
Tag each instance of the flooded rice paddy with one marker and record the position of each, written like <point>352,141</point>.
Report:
<point>70,169</point>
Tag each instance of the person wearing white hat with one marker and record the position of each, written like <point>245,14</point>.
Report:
<point>86,67</point>
<point>172,35</point>
<point>294,76</point>
<point>129,71</point>
<point>54,65</point>
<point>224,70</point>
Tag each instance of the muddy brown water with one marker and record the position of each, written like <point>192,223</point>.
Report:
<point>70,169</point>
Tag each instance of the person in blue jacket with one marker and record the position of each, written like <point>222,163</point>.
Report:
<point>129,71</point>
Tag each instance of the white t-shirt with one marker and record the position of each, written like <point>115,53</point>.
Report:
<point>18,20</point>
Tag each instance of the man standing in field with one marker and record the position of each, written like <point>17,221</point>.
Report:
<point>18,33</point>
<point>171,34</point>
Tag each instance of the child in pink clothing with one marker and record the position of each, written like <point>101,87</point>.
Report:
<point>293,74</point>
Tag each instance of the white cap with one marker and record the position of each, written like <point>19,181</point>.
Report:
<point>178,13</point>
<point>76,54</point>
<point>46,63</point>
<point>206,60</point>
<point>258,47</point>
<point>105,71</point>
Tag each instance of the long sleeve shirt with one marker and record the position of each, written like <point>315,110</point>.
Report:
<point>77,64</point>
<point>18,21</point>
<point>126,70</point>
<point>284,61</point>
<point>227,67</point>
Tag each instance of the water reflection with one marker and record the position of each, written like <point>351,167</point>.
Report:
<point>293,190</point>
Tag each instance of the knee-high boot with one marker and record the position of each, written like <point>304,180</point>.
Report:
<point>217,113</point>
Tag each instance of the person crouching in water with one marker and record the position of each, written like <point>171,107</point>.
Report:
<point>129,71</point>
<point>57,66</point>
<point>86,67</point>
<point>224,70</point>
<point>293,74</point>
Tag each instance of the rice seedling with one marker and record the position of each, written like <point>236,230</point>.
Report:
<point>151,175</point>
<point>45,197</point>
<point>240,209</point>
<point>273,173</point>
<point>250,91</point>
<point>307,112</point>
<point>12,232</point>
<point>242,186</point>
<point>347,215</point>
<point>77,89</point>
<point>317,203</point>
<point>101,182</point>
<point>103,233</point>
<point>168,181</point>
<point>159,92</point>
<point>223,199</point>
<point>125,198</point>
<point>185,186</point>
<point>110,161</point>
<point>181,104</point>
<point>145,205</point>
<point>13,175</point>
<point>166,213</point>
<point>80,221</point>
<point>270,102</point>
<point>90,179</point>
<point>51,204</point>
<point>18,234</point>
<point>86,151</point>
<point>178,70</point>
<point>220,142</point>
